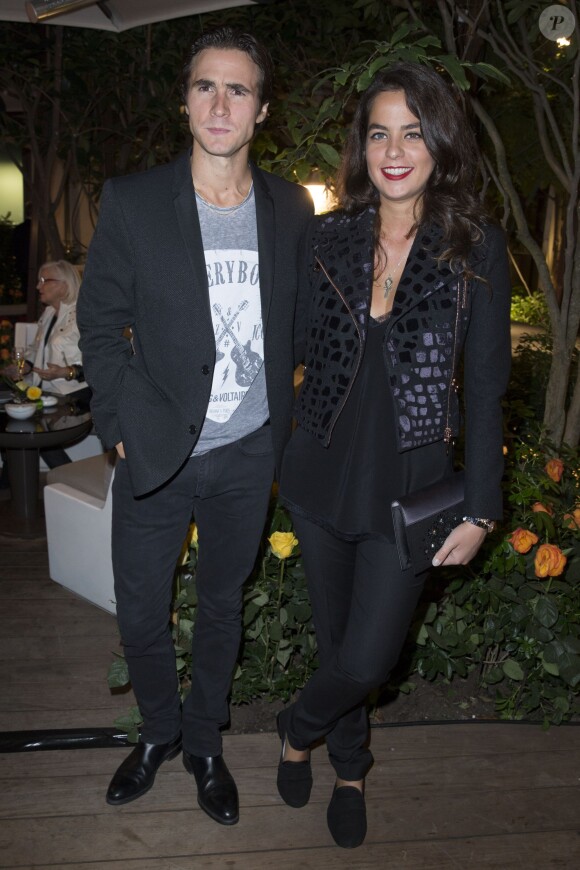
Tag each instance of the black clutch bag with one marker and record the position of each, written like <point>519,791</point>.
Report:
<point>423,519</point>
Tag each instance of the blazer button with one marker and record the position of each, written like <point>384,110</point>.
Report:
<point>205,370</point>
<point>192,429</point>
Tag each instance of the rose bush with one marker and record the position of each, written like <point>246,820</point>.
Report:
<point>513,614</point>
<point>6,339</point>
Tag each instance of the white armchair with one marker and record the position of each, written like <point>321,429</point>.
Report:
<point>24,334</point>
<point>78,510</point>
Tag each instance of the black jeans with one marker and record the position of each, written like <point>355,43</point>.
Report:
<point>362,607</point>
<point>227,490</point>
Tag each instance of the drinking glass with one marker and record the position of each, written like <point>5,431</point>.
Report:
<point>19,358</point>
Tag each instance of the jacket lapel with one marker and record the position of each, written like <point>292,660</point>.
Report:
<point>63,313</point>
<point>346,251</point>
<point>266,224</point>
<point>188,220</point>
<point>422,275</point>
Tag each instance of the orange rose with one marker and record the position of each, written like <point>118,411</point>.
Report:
<point>522,540</point>
<point>4,353</point>
<point>555,469</point>
<point>550,561</point>
<point>572,521</point>
<point>538,507</point>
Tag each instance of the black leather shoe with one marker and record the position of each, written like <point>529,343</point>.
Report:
<point>294,778</point>
<point>217,794</point>
<point>136,774</point>
<point>347,816</point>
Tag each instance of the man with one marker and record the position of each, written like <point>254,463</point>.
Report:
<point>199,258</point>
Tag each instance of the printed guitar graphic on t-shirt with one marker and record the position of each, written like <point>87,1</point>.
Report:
<point>218,354</point>
<point>247,363</point>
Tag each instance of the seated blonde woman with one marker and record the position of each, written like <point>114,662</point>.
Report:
<point>55,361</point>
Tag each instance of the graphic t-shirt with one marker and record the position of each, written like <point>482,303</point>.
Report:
<point>238,403</point>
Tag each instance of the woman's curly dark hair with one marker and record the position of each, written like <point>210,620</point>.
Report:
<point>449,199</point>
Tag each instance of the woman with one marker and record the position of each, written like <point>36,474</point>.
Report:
<point>403,279</point>
<point>56,362</point>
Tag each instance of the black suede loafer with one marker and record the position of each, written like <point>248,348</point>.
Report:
<point>294,778</point>
<point>347,816</point>
<point>136,774</point>
<point>217,794</point>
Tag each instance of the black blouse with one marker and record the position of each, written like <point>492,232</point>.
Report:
<point>348,486</point>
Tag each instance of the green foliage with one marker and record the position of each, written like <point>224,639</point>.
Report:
<point>130,723</point>
<point>519,630</point>
<point>531,309</point>
<point>317,115</point>
<point>525,400</point>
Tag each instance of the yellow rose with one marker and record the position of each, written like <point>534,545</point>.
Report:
<point>550,561</point>
<point>190,541</point>
<point>522,540</point>
<point>282,544</point>
<point>33,393</point>
<point>555,469</point>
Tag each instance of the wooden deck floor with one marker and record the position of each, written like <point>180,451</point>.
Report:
<point>439,796</point>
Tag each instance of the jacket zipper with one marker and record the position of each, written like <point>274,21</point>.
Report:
<point>453,384</point>
<point>347,393</point>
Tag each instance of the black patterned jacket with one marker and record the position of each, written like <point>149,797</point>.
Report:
<point>436,317</point>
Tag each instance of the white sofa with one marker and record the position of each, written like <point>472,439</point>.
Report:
<point>78,510</point>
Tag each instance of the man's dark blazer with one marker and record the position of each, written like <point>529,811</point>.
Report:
<point>146,270</point>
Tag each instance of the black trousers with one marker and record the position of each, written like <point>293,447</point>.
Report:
<point>362,607</point>
<point>227,490</point>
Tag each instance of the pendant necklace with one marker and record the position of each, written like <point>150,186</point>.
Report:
<point>391,276</point>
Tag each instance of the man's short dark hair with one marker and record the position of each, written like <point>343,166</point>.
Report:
<point>227,37</point>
